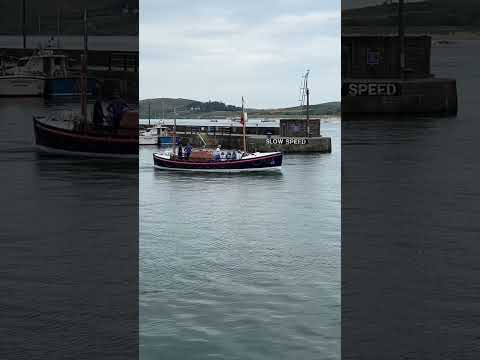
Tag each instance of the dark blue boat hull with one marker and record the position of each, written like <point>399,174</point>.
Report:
<point>68,87</point>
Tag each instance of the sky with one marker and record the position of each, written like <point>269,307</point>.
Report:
<point>350,4</point>
<point>221,50</point>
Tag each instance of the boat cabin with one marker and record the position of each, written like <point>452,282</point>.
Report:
<point>44,63</point>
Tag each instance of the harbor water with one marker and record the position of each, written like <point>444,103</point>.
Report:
<point>410,225</point>
<point>241,266</point>
<point>68,249</point>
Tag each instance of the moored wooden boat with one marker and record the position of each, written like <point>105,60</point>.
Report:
<point>205,161</point>
<point>64,137</point>
<point>73,134</point>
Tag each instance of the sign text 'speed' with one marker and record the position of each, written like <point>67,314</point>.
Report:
<point>370,89</point>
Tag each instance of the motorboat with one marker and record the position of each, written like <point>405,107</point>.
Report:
<point>43,73</point>
<point>156,135</point>
<point>148,137</point>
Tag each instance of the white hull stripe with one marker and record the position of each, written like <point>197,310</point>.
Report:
<point>273,168</point>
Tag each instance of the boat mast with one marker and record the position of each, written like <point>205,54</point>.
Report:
<point>305,95</point>
<point>24,25</point>
<point>174,139</point>
<point>401,37</point>
<point>148,113</point>
<point>83,79</point>
<point>242,118</point>
<point>308,105</point>
<point>58,24</point>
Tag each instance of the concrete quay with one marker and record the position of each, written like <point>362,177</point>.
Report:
<point>262,143</point>
<point>392,96</point>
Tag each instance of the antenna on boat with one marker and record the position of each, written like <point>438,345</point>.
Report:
<point>305,99</point>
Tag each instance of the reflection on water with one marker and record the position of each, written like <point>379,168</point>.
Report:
<point>69,244</point>
<point>410,226</point>
<point>241,266</point>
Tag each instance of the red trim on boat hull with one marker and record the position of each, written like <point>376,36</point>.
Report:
<point>71,141</point>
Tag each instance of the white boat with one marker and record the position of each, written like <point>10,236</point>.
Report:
<point>148,137</point>
<point>43,73</point>
<point>21,85</point>
<point>156,135</point>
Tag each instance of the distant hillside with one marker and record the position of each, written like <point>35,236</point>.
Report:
<point>186,108</point>
<point>430,13</point>
<point>328,108</point>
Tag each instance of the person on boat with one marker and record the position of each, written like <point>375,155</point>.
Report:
<point>229,155</point>
<point>188,151</point>
<point>98,115</point>
<point>180,152</point>
<point>222,156</point>
<point>234,155</point>
<point>117,109</point>
<point>216,153</point>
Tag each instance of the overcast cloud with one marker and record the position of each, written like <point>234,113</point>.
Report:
<point>221,50</point>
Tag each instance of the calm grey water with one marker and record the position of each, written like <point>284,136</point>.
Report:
<point>241,266</point>
<point>410,226</point>
<point>68,247</point>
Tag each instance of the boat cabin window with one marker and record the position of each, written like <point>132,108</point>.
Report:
<point>22,62</point>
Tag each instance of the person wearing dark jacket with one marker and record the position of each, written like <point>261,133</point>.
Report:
<point>98,114</point>
<point>117,108</point>
<point>180,153</point>
<point>188,151</point>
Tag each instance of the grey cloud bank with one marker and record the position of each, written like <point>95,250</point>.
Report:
<point>223,50</point>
